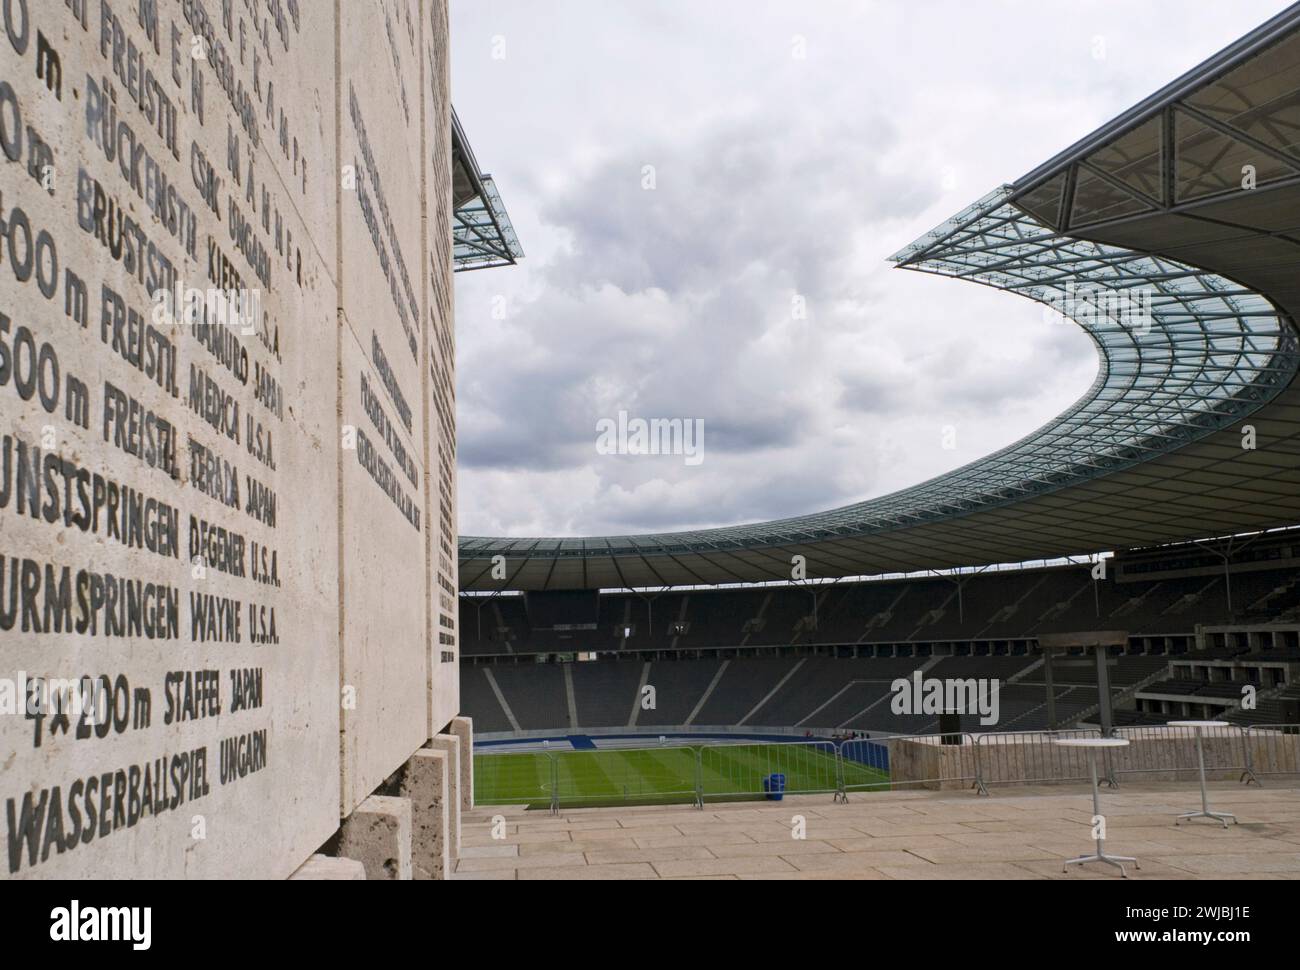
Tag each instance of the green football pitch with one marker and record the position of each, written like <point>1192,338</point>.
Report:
<point>662,775</point>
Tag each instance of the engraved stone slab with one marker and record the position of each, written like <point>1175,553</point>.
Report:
<point>168,582</point>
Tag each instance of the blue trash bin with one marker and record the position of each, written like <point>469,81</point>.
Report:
<point>774,786</point>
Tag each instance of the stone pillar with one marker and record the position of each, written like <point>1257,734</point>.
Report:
<point>378,834</point>
<point>463,728</point>
<point>330,867</point>
<point>450,743</point>
<point>426,783</point>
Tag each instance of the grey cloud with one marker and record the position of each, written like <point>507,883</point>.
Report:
<point>774,179</point>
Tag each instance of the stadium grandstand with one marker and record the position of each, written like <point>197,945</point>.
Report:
<point>1162,504</point>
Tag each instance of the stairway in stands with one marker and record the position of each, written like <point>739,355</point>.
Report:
<point>1281,604</point>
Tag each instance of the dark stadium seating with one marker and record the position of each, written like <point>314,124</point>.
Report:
<point>1010,606</point>
<point>827,693</point>
<point>536,694</point>
<point>679,686</point>
<point>742,686</point>
<point>1125,671</point>
<point>820,680</point>
<point>1176,686</point>
<point>604,692</point>
<point>1270,710</point>
<point>476,695</point>
<point>823,657</point>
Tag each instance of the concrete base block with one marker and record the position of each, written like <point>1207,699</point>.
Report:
<point>328,867</point>
<point>426,783</point>
<point>463,728</point>
<point>450,743</point>
<point>378,834</point>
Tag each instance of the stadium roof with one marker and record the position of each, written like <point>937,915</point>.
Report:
<point>482,235</point>
<point>1172,236</point>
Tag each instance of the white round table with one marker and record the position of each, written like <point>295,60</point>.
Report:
<point>1100,855</point>
<point>1198,727</point>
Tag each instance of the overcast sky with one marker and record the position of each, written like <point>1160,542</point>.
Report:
<point>794,146</point>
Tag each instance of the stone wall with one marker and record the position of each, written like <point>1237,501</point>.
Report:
<point>226,527</point>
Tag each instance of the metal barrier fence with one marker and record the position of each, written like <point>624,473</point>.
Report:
<point>645,775</point>
<point>1271,749</point>
<point>1030,757</point>
<point>864,764</point>
<point>1169,753</point>
<point>734,770</point>
<point>903,761</point>
<point>514,778</point>
<point>1160,753</point>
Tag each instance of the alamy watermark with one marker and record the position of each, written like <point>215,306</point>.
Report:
<point>102,924</point>
<point>626,435</point>
<point>237,309</point>
<point>1090,305</point>
<point>85,699</point>
<point>937,695</point>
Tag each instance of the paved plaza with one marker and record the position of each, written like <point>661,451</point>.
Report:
<point>1021,833</point>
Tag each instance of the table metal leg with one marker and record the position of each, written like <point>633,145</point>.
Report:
<point>1100,856</point>
<point>1205,798</point>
